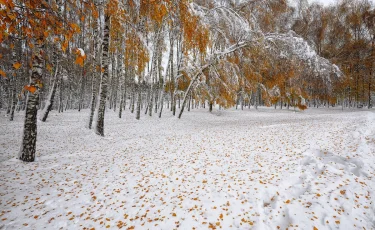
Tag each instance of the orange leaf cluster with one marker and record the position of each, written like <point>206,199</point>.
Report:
<point>30,88</point>
<point>80,58</point>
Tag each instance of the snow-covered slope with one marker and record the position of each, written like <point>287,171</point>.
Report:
<point>265,169</point>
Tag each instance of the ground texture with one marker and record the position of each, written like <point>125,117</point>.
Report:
<point>265,169</point>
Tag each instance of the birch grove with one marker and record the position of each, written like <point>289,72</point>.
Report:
<point>154,57</point>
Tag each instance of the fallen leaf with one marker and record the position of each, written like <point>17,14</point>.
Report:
<point>2,73</point>
<point>17,65</point>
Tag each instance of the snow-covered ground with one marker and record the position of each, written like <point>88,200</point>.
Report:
<point>265,169</point>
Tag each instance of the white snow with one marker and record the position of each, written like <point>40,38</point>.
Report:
<point>81,52</point>
<point>231,169</point>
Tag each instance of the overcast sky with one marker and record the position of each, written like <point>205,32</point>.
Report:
<point>328,2</point>
<point>324,2</point>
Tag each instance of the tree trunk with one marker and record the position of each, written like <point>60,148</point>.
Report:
<point>147,101</point>
<point>281,103</point>
<point>61,101</point>
<point>192,101</point>
<point>133,99</point>
<point>122,81</point>
<point>14,97</point>
<point>51,96</point>
<point>28,145</point>
<point>189,104</point>
<point>190,88</point>
<point>242,104</point>
<point>161,98</point>
<point>93,100</point>
<point>119,82</point>
<point>8,96</point>
<point>81,91</point>
<point>156,97</point>
<point>99,129</point>
<point>121,100</point>
<point>371,73</point>
<point>116,74</point>
<point>139,101</point>
<point>172,88</point>
<point>151,99</point>
<point>13,82</point>
<point>125,88</point>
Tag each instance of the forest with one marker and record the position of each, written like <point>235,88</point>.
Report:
<point>151,57</point>
<point>187,114</point>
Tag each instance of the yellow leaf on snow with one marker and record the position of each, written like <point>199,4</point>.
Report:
<point>17,65</point>
<point>2,73</point>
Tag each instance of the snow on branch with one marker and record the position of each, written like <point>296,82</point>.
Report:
<point>291,45</point>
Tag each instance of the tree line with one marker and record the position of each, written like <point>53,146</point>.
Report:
<point>150,57</point>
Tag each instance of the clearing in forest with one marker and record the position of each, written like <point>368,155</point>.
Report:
<point>265,169</point>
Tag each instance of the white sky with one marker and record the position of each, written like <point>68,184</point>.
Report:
<point>328,2</point>
<point>324,2</point>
